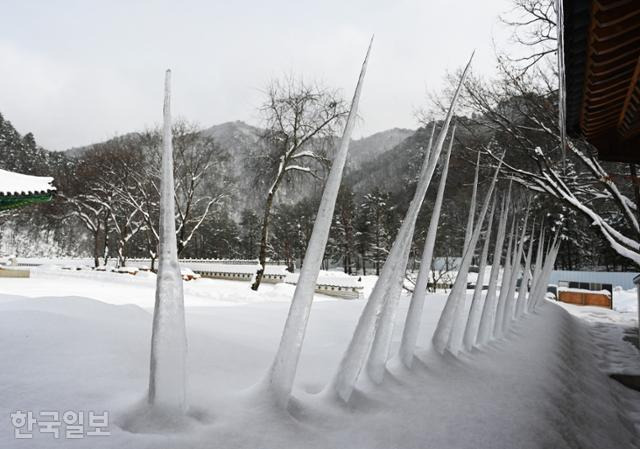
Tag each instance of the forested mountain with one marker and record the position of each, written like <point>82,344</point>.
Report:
<point>221,215</point>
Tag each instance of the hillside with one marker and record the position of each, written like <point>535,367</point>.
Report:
<point>239,140</point>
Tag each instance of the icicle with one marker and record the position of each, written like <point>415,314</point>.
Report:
<point>504,282</point>
<point>524,284</point>
<point>546,272</point>
<point>562,87</point>
<point>535,278</point>
<point>414,314</point>
<point>509,308</point>
<point>384,328</point>
<point>167,378</point>
<point>473,321</point>
<point>450,329</point>
<point>472,208</point>
<point>285,364</point>
<point>487,320</point>
<point>354,357</point>
<point>379,353</point>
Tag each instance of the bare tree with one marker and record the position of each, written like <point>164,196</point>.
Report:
<point>519,113</point>
<point>200,183</point>
<point>301,121</point>
<point>91,211</point>
<point>533,23</point>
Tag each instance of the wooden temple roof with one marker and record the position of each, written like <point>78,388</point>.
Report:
<point>18,190</point>
<point>602,70</point>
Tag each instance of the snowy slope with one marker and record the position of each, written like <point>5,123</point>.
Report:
<point>542,388</point>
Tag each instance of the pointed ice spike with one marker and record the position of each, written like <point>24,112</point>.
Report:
<point>472,208</point>
<point>473,321</point>
<point>379,353</point>
<point>450,329</point>
<point>537,269</point>
<point>167,380</point>
<point>504,282</point>
<point>428,154</point>
<point>487,320</point>
<point>414,315</point>
<point>354,357</point>
<point>283,370</point>
<point>376,363</point>
<point>526,276</point>
<point>549,262</point>
<point>509,309</point>
<point>454,344</point>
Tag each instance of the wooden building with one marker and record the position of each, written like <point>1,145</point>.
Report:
<point>18,190</point>
<point>601,43</point>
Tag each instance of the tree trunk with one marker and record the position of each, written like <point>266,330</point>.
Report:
<point>96,260</point>
<point>153,262</point>
<point>105,251</point>
<point>262,257</point>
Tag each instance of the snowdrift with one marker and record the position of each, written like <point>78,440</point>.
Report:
<point>539,388</point>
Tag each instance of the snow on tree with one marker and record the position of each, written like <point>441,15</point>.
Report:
<point>414,314</point>
<point>354,357</point>
<point>473,321</point>
<point>488,317</point>
<point>449,332</point>
<point>92,211</point>
<point>521,109</point>
<point>167,379</point>
<point>373,228</point>
<point>301,123</point>
<point>341,245</point>
<point>283,370</point>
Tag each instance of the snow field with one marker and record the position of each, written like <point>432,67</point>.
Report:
<point>542,387</point>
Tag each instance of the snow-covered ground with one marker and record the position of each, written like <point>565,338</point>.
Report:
<point>625,300</point>
<point>74,340</point>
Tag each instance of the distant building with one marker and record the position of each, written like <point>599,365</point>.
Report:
<point>18,190</point>
<point>593,280</point>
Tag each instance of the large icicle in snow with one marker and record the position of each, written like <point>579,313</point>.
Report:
<point>473,321</point>
<point>487,319</point>
<point>414,314</point>
<point>282,373</point>
<point>450,328</point>
<point>167,379</point>
<point>354,357</point>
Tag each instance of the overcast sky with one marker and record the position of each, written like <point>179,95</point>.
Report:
<point>78,72</point>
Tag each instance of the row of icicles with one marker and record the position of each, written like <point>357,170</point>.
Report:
<point>459,329</point>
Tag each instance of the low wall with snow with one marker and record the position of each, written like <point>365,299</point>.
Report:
<point>623,279</point>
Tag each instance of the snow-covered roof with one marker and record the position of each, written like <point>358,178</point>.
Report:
<point>331,280</point>
<point>234,268</point>
<point>13,184</point>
